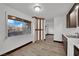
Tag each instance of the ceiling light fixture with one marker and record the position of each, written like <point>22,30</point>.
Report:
<point>37,8</point>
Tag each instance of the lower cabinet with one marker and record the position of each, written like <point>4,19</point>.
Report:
<point>65,43</point>
<point>76,51</point>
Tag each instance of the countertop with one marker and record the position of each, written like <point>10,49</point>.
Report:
<point>75,41</point>
<point>71,42</point>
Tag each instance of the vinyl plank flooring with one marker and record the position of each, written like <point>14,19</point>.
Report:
<point>41,48</point>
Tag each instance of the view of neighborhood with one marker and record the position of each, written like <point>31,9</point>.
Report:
<point>17,27</point>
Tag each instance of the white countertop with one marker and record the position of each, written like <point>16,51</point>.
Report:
<point>75,41</point>
<point>71,42</point>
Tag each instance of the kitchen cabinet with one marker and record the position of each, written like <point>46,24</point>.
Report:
<point>72,20</point>
<point>71,45</point>
<point>65,43</point>
<point>76,51</point>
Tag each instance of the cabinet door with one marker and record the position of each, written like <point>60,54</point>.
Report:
<point>72,17</point>
<point>65,43</point>
<point>78,17</point>
<point>76,51</point>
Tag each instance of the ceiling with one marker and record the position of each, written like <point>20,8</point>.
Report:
<point>49,10</point>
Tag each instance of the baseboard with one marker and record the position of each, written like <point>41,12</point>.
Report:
<point>15,49</point>
<point>58,41</point>
<point>44,39</point>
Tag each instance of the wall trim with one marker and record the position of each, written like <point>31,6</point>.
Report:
<point>58,41</point>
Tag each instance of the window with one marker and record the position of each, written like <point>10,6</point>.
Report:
<point>18,26</point>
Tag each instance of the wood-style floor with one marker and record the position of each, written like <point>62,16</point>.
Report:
<point>41,48</point>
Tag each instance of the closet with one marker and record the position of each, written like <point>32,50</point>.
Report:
<point>39,28</point>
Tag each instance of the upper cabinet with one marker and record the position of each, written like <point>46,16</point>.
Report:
<point>72,17</point>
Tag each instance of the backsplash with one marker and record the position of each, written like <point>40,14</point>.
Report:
<point>71,30</point>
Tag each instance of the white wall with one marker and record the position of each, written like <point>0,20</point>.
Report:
<point>9,43</point>
<point>59,24</point>
<point>2,23</point>
<point>60,28</point>
<point>50,26</point>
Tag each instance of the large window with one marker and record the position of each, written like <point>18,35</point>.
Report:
<point>18,26</point>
